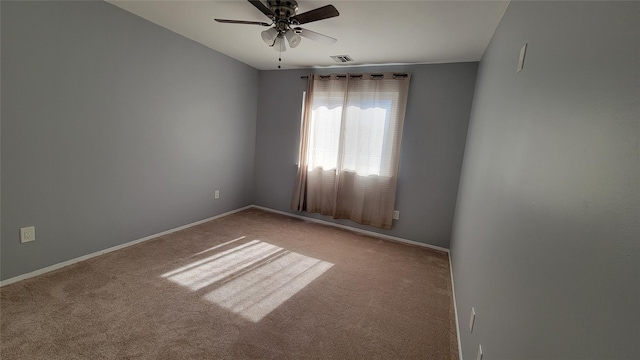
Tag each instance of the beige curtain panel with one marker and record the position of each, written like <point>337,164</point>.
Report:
<point>350,146</point>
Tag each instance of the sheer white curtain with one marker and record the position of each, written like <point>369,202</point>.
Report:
<point>350,146</point>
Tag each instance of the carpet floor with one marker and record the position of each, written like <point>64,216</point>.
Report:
<point>253,284</point>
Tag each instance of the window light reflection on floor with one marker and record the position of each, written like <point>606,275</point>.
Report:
<point>251,279</point>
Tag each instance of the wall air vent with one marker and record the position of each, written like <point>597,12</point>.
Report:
<point>341,58</point>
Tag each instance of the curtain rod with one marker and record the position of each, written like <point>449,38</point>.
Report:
<point>372,75</point>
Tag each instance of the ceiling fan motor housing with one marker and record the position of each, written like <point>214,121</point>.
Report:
<point>283,9</point>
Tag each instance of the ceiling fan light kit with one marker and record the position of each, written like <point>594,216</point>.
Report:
<point>279,45</point>
<point>285,23</point>
<point>269,36</point>
<point>293,38</point>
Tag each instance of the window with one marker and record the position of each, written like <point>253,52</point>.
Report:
<point>349,149</point>
<point>367,129</point>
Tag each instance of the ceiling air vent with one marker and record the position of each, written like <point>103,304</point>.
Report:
<point>342,58</point>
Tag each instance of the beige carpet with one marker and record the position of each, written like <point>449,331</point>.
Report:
<point>250,285</point>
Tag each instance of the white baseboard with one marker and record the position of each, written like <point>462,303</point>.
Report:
<point>114,248</point>
<point>365,232</point>
<point>455,307</point>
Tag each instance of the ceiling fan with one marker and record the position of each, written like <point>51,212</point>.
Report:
<point>285,23</point>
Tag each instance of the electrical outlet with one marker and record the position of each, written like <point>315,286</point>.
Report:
<point>217,194</point>
<point>480,353</point>
<point>396,215</point>
<point>472,319</point>
<point>27,234</point>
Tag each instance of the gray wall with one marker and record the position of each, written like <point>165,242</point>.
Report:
<point>546,234</point>
<point>114,129</point>
<point>434,135</point>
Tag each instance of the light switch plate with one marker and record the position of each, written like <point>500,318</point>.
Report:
<point>27,234</point>
<point>523,52</point>
<point>396,215</point>
<point>472,319</point>
<point>217,194</point>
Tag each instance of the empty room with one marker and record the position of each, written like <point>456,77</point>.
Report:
<point>320,179</point>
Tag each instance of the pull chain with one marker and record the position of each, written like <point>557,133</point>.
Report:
<point>279,58</point>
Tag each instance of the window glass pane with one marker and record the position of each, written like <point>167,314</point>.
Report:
<point>364,139</point>
<point>324,137</point>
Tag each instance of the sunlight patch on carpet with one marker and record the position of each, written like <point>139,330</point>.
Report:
<point>218,246</point>
<point>251,279</point>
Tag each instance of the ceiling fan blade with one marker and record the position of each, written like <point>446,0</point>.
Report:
<point>262,7</point>
<point>224,21</point>
<point>315,36</point>
<point>320,13</point>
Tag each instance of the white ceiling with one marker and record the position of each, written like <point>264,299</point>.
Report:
<point>371,32</point>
